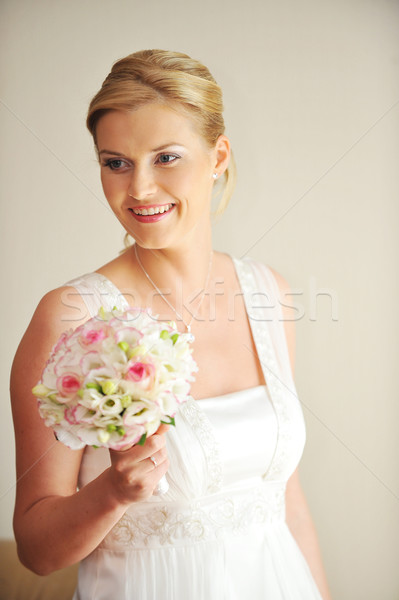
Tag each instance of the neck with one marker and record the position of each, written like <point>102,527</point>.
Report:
<point>179,278</point>
<point>187,264</point>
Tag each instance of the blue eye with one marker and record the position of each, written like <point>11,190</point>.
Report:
<point>114,164</point>
<point>167,158</point>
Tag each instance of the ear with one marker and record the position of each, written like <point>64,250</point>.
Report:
<point>222,153</point>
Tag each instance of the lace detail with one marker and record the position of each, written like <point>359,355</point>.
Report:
<point>205,433</point>
<point>167,525</point>
<point>287,414</point>
<point>108,290</point>
<point>97,290</point>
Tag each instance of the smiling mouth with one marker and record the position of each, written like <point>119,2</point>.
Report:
<point>153,210</point>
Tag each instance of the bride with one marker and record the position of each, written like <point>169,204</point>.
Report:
<point>234,523</point>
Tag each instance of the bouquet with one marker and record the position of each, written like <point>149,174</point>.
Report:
<point>112,381</point>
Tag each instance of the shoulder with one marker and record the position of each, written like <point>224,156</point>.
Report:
<point>58,311</point>
<point>284,289</point>
<point>281,285</point>
<point>288,311</point>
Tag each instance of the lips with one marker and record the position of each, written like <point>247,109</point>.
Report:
<point>151,214</point>
<point>152,210</point>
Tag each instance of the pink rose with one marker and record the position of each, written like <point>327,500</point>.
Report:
<point>142,373</point>
<point>93,333</point>
<point>68,384</point>
<point>92,336</point>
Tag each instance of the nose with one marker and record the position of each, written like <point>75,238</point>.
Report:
<point>142,185</point>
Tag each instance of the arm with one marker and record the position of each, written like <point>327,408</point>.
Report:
<point>298,516</point>
<point>300,523</point>
<point>55,525</point>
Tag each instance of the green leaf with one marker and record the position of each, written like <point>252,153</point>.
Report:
<point>171,422</point>
<point>174,337</point>
<point>164,335</point>
<point>142,440</point>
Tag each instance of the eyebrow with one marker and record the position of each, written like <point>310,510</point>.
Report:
<point>110,152</point>
<point>154,150</point>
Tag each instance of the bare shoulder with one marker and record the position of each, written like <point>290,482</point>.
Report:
<point>59,310</point>
<point>289,313</point>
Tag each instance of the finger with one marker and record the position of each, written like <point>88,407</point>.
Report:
<point>137,454</point>
<point>163,428</point>
<point>158,472</point>
<point>156,460</point>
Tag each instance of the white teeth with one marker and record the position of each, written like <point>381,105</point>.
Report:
<point>152,211</point>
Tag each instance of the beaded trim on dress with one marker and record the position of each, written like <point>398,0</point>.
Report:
<point>278,390</point>
<point>198,521</point>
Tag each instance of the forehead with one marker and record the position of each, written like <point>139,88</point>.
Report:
<point>147,127</point>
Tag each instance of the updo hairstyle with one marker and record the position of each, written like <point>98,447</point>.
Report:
<point>169,78</point>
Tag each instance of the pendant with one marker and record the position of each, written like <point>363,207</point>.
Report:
<point>190,336</point>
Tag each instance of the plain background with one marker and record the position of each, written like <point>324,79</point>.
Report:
<point>311,94</point>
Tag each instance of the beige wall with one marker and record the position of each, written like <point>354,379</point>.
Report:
<point>310,89</point>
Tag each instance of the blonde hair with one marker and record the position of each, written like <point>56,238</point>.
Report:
<point>169,78</point>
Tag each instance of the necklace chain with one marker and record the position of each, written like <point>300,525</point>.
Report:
<point>179,316</point>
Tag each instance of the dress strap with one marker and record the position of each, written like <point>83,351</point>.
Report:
<point>282,390</point>
<point>96,291</point>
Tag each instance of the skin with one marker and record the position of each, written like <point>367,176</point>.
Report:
<point>153,156</point>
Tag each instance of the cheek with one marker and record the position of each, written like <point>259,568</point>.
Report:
<point>104,182</point>
<point>191,184</point>
<point>111,186</point>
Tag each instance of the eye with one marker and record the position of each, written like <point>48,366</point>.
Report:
<point>115,164</point>
<point>166,159</point>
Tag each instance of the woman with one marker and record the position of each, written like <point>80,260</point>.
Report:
<point>226,527</point>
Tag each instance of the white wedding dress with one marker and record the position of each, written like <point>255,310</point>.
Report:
<point>219,533</point>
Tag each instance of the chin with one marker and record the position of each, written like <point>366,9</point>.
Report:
<point>149,243</point>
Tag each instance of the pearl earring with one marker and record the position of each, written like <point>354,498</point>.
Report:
<point>215,175</point>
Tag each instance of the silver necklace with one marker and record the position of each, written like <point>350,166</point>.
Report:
<point>179,316</point>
